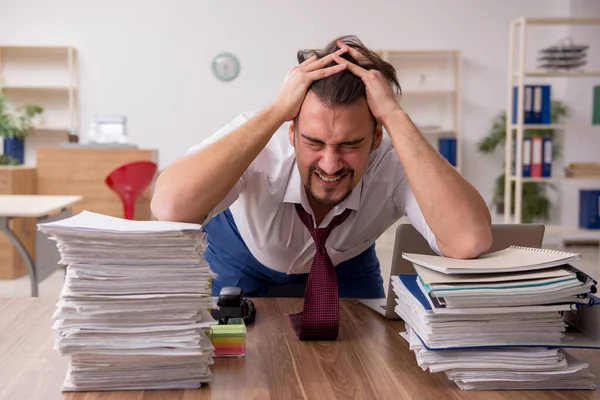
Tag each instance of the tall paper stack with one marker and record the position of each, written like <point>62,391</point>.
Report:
<point>501,321</point>
<point>132,313</point>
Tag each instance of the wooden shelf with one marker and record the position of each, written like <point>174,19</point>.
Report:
<point>38,88</point>
<point>556,126</point>
<point>46,76</point>
<point>558,21</point>
<point>35,48</point>
<point>559,74</point>
<point>556,178</point>
<point>436,131</point>
<point>421,52</point>
<point>428,92</point>
<point>52,129</point>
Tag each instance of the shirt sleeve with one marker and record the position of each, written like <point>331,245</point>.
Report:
<point>407,204</point>
<point>239,186</point>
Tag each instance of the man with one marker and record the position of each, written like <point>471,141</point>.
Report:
<point>317,152</point>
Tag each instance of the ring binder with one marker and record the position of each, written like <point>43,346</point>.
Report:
<point>547,251</point>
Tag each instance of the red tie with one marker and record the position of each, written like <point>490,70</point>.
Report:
<point>319,319</point>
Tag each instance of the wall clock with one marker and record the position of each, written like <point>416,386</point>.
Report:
<point>226,66</point>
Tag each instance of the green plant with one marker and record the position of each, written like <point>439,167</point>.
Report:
<point>18,124</point>
<point>536,204</point>
<point>7,160</point>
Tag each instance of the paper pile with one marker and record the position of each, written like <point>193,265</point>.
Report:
<point>509,329</point>
<point>133,312</point>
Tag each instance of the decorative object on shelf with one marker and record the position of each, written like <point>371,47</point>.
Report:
<point>15,127</point>
<point>565,55</point>
<point>108,129</point>
<point>536,203</point>
<point>582,170</point>
<point>226,67</point>
<point>589,209</point>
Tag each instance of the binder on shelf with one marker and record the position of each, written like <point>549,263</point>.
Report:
<point>596,107</point>
<point>447,148</point>
<point>527,104</point>
<point>589,209</point>
<point>536,156</point>
<point>542,104</point>
<point>547,157</point>
<point>526,157</point>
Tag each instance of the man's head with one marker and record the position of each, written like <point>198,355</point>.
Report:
<point>335,132</point>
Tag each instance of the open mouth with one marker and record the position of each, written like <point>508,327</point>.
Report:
<point>330,179</point>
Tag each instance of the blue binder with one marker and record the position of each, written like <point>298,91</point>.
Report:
<point>527,104</point>
<point>526,157</point>
<point>547,157</point>
<point>589,209</point>
<point>447,148</point>
<point>542,107</point>
<point>577,339</point>
<point>546,112</point>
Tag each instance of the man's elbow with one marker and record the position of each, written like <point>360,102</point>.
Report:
<point>470,245</point>
<point>162,208</point>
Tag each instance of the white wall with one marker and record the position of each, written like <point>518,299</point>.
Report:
<point>151,60</point>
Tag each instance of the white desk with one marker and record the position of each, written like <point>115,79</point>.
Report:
<point>32,206</point>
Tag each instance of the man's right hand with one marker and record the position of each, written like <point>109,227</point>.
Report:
<point>298,80</point>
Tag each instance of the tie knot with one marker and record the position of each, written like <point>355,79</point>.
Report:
<point>320,235</point>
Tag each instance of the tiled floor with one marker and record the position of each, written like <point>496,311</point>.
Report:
<point>51,286</point>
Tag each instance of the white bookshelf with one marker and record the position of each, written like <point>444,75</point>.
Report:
<point>519,30</point>
<point>431,91</point>
<point>46,76</point>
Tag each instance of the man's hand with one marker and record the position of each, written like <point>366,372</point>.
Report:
<point>381,98</point>
<point>298,80</point>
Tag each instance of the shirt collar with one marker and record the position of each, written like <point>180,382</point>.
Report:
<point>295,193</point>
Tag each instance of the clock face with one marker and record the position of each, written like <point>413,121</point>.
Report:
<point>226,66</point>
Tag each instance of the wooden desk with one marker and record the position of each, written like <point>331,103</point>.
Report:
<point>369,361</point>
<point>40,209</point>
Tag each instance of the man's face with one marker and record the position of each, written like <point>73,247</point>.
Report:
<point>333,147</point>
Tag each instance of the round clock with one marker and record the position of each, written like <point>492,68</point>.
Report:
<point>226,66</point>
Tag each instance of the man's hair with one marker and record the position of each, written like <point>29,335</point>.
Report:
<point>345,88</point>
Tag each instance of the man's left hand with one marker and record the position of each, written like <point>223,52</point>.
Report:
<point>381,98</point>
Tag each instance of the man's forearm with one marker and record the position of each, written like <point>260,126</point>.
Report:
<point>192,186</point>
<point>454,210</point>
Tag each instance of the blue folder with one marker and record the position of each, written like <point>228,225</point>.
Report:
<point>577,339</point>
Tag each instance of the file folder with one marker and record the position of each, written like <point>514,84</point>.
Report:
<point>527,104</point>
<point>526,157</point>
<point>536,157</point>
<point>547,158</point>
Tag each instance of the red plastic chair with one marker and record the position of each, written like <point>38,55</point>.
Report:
<point>129,181</point>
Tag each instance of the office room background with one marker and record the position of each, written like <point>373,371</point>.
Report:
<point>151,62</point>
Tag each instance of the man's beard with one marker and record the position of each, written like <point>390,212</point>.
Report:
<point>328,201</point>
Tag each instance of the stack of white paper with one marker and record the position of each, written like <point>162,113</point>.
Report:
<point>133,309</point>
<point>510,325</point>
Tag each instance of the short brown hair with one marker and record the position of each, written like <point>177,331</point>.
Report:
<point>345,88</point>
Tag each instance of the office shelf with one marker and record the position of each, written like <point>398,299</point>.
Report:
<point>516,58</point>
<point>431,81</point>
<point>46,76</point>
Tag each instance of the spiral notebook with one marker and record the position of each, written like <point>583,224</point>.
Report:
<point>511,259</point>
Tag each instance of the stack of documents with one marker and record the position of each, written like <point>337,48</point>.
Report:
<point>133,312</point>
<point>500,321</point>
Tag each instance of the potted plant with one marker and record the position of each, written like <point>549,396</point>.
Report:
<point>14,128</point>
<point>536,204</point>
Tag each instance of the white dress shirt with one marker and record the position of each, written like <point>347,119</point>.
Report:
<point>262,205</point>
